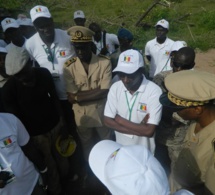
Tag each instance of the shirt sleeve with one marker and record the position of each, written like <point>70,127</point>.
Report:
<point>111,104</point>
<point>107,76</point>
<point>154,106</point>
<point>147,52</point>
<point>210,175</point>
<point>69,81</point>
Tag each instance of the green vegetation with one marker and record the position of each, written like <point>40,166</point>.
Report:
<point>190,20</point>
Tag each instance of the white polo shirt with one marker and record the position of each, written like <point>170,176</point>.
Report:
<point>160,54</point>
<point>61,49</point>
<point>13,135</point>
<point>144,100</point>
<point>111,41</point>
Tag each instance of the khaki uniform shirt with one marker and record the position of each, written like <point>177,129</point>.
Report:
<point>88,114</point>
<point>202,147</point>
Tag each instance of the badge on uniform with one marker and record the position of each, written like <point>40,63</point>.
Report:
<point>142,107</point>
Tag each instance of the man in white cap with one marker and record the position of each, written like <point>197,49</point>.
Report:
<point>51,48</point>
<point>26,26</point>
<point>18,174</point>
<point>79,18</point>
<point>130,170</point>
<point>172,128</point>
<point>157,50</point>
<point>3,75</point>
<point>132,108</point>
<point>31,96</point>
<point>12,32</point>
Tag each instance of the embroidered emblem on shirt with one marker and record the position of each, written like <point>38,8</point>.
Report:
<point>7,141</point>
<point>142,107</point>
<point>62,53</point>
<point>167,53</point>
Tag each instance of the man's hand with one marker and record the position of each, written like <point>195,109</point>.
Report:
<point>71,98</point>
<point>104,51</point>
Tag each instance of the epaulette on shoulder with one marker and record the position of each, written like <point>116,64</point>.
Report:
<point>107,57</point>
<point>70,61</point>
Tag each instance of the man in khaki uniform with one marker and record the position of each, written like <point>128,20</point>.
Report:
<point>88,78</point>
<point>192,94</point>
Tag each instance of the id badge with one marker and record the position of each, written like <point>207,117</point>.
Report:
<point>55,74</point>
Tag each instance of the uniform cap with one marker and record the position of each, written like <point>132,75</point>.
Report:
<point>178,45</point>
<point>188,88</point>
<point>16,59</point>
<point>129,61</point>
<point>24,22</point>
<point>79,14</point>
<point>39,11</point>
<point>9,23</point>
<point>80,34</point>
<point>163,23</point>
<point>128,169</point>
<point>125,34</point>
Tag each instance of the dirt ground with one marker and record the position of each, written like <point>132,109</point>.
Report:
<point>205,61</point>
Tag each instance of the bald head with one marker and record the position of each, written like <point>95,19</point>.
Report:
<point>184,59</point>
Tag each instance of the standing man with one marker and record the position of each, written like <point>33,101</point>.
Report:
<point>105,42</point>
<point>79,18</point>
<point>191,93</point>
<point>157,51</point>
<point>31,96</point>
<point>17,174</point>
<point>133,109</point>
<point>51,48</point>
<point>88,78</point>
<point>13,33</point>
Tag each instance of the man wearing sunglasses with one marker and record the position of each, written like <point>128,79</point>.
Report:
<point>133,109</point>
<point>172,128</point>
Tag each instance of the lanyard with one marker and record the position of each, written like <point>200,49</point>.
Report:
<point>50,55</point>
<point>130,108</point>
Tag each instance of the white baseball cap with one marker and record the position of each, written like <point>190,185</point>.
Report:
<point>9,23</point>
<point>39,11</point>
<point>3,50</point>
<point>79,14</point>
<point>128,169</point>
<point>16,59</point>
<point>129,61</point>
<point>24,22</point>
<point>178,45</point>
<point>163,23</point>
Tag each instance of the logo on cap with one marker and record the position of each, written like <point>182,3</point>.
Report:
<point>127,58</point>
<point>38,9</point>
<point>8,21</point>
<point>79,34</point>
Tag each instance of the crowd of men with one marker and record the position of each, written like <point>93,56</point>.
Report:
<point>64,91</point>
